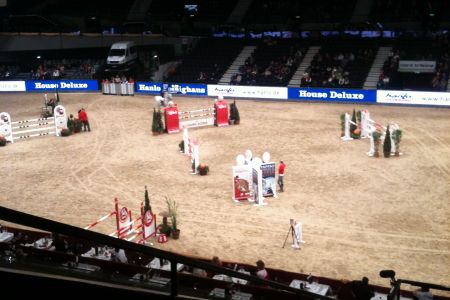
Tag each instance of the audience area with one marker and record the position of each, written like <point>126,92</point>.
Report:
<point>54,253</point>
<point>271,64</point>
<point>291,11</point>
<point>341,63</point>
<point>435,49</point>
<point>207,62</point>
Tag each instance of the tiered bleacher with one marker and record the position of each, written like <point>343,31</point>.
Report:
<point>290,11</point>
<point>434,50</point>
<point>207,62</point>
<point>273,63</point>
<point>341,62</point>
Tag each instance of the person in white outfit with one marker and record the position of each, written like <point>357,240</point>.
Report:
<point>297,235</point>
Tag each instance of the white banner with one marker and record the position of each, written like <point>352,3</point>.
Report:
<point>418,66</point>
<point>12,86</point>
<point>248,91</point>
<point>417,98</point>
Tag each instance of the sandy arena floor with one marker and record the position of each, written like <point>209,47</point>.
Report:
<point>360,215</point>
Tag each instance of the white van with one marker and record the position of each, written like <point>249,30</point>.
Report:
<point>122,54</point>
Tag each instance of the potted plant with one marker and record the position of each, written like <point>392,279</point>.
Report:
<point>181,146</point>
<point>342,124</point>
<point>397,137</point>
<point>237,118</point>
<point>2,141</point>
<point>203,169</point>
<point>172,208</point>
<point>155,130</point>
<point>66,132</point>
<point>387,143</point>
<point>164,227</point>
<point>376,140</point>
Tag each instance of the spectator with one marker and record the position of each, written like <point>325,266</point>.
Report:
<point>423,294</point>
<point>82,116</point>
<point>215,261</point>
<point>261,271</point>
<point>361,289</point>
<point>120,256</point>
<point>281,168</point>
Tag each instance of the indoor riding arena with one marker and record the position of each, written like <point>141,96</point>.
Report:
<point>360,214</point>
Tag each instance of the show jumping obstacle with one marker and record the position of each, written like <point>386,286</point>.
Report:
<point>218,116</point>
<point>124,223</point>
<point>191,148</point>
<point>25,129</point>
<point>368,127</point>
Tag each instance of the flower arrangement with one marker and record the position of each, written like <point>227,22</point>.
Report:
<point>66,132</point>
<point>203,169</point>
<point>2,141</point>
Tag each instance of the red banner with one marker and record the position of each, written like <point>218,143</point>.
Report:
<point>172,120</point>
<point>221,108</point>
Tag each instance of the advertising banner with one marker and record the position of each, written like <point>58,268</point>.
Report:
<point>172,120</point>
<point>123,221</point>
<point>413,98</point>
<point>148,223</point>
<point>154,88</point>
<point>186,89</point>
<point>221,108</point>
<point>332,95</point>
<point>62,85</point>
<point>257,186</point>
<point>12,86</point>
<point>268,179</point>
<point>417,66</point>
<point>264,92</point>
<point>242,182</point>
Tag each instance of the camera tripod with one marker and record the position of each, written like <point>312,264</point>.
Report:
<point>291,231</point>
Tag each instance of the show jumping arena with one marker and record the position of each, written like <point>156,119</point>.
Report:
<point>360,214</point>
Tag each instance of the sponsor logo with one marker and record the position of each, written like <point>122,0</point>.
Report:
<point>60,111</point>
<point>332,95</point>
<point>228,90</point>
<point>4,118</point>
<point>176,88</point>
<point>221,106</point>
<point>62,85</point>
<point>172,112</point>
<point>398,97</point>
<point>149,88</point>
<point>123,214</point>
<point>148,217</point>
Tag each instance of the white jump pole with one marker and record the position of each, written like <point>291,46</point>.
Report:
<point>186,141</point>
<point>365,117</point>
<point>347,136</point>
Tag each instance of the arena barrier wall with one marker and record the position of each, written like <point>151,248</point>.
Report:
<point>412,98</point>
<point>119,89</point>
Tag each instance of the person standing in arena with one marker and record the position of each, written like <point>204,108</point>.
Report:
<point>82,115</point>
<point>281,168</point>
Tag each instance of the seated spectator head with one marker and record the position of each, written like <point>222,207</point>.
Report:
<point>216,261</point>
<point>260,264</point>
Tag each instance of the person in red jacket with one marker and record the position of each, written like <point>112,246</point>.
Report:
<point>281,168</point>
<point>82,116</point>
